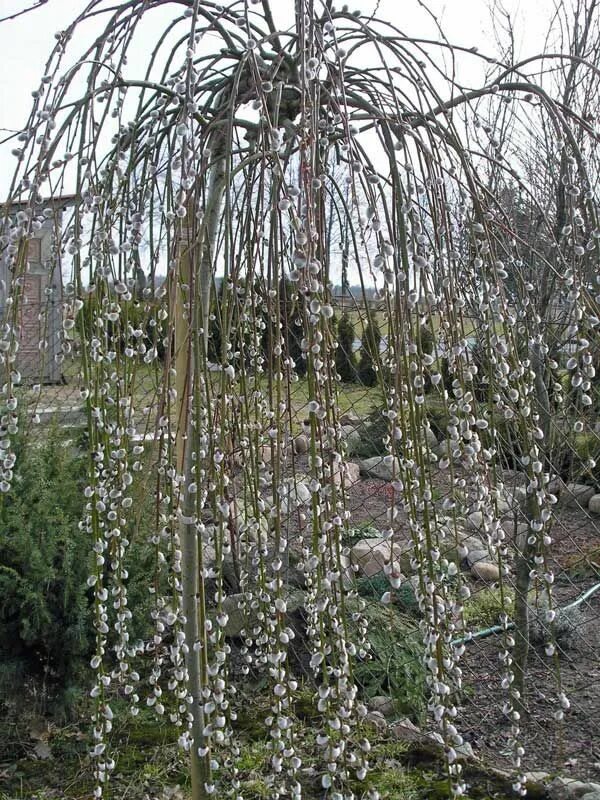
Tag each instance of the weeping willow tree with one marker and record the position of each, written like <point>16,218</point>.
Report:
<point>211,186</point>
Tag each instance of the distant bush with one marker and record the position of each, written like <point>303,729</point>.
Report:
<point>369,354</point>
<point>137,324</point>
<point>374,588</point>
<point>395,667</point>
<point>46,631</point>
<point>345,359</point>
<point>44,564</point>
<point>372,432</point>
<point>484,607</point>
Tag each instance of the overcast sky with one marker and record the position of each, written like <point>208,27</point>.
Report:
<point>26,41</point>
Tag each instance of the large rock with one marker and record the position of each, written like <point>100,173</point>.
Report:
<point>238,618</point>
<point>350,418</point>
<point>380,467</point>
<point>577,495</point>
<point>301,445</point>
<point>537,780</point>
<point>243,520</point>
<point>406,730</point>
<point>447,449</point>
<point>352,438</point>
<point>485,571</point>
<point>377,720</point>
<point>295,493</point>
<point>474,521</point>
<point>292,575</point>
<point>351,474</point>
<point>594,504</point>
<point>382,704</point>
<point>515,497</point>
<point>465,751</point>
<point>514,529</point>
<point>346,431</point>
<point>503,505</point>
<point>478,556</point>
<point>466,543</point>
<point>371,555</point>
<point>265,454</point>
<point>570,789</point>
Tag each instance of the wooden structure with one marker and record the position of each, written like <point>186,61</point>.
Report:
<point>40,314</point>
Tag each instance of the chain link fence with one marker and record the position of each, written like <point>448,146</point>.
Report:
<point>380,542</point>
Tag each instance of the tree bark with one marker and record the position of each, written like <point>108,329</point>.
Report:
<point>525,551</point>
<point>191,348</point>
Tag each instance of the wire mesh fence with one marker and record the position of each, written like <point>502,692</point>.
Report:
<point>379,545</point>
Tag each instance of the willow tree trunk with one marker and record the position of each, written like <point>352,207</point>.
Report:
<point>525,551</point>
<point>192,308</point>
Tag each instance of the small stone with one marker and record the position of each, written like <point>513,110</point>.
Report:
<point>382,704</point>
<point>577,495</point>
<point>301,445</point>
<point>377,719</point>
<point>571,789</point>
<point>594,504</point>
<point>383,467</point>
<point>371,555</point>
<point>475,521</point>
<point>486,571</point>
<point>477,557</point>
<point>406,730</point>
<point>350,418</point>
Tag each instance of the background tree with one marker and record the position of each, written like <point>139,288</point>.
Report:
<point>345,358</point>
<point>369,354</point>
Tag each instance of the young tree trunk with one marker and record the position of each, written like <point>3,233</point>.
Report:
<point>525,551</point>
<point>521,618</point>
<point>195,272</point>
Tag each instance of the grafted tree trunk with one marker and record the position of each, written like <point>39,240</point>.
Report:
<point>196,253</point>
<point>525,551</point>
